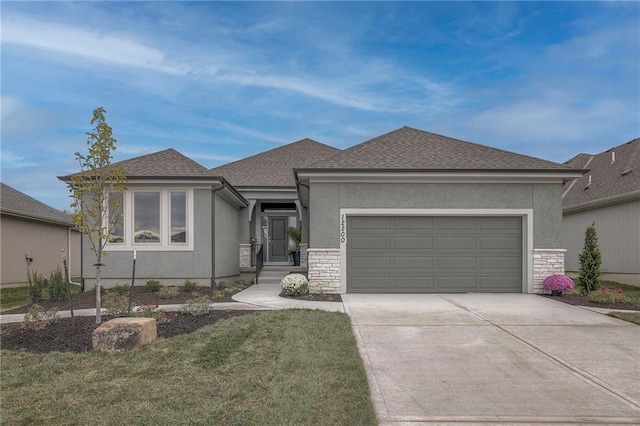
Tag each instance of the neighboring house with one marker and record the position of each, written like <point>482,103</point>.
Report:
<point>408,211</point>
<point>29,228</point>
<point>609,196</point>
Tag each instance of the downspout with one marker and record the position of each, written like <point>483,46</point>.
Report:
<point>298,183</point>
<point>213,232</point>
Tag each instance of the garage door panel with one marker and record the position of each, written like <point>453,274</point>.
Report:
<point>434,254</point>
<point>457,243</point>
<point>413,243</point>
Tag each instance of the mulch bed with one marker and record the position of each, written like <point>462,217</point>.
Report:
<point>74,334</point>
<point>140,297</point>
<point>316,297</point>
<point>575,299</point>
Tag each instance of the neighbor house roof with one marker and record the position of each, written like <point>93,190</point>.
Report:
<point>614,174</point>
<point>408,149</point>
<point>16,203</point>
<point>165,164</point>
<point>274,167</point>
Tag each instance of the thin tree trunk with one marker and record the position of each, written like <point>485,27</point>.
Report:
<point>98,305</point>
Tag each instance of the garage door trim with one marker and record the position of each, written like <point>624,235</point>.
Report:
<point>527,231</point>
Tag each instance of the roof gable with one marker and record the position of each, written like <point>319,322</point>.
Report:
<point>614,172</point>
<point>412,149</point>
<point>16,203</point>
<point>274,167</point>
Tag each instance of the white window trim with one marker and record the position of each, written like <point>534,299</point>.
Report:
<point>122,207</point>
<point>165,224</point>
<point>527,233</point>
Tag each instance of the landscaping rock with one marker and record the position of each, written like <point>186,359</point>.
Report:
<point>124,334</point>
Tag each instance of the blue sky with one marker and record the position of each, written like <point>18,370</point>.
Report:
<point>222,81</point>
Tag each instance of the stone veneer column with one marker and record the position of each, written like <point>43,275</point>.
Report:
<point>245,255</point>
<point>546,262</point>
<point>303,254</point>
<point>324,270</point>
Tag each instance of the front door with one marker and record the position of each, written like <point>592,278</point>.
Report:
<point>278,240</point>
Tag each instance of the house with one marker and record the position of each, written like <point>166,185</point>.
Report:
<point>609,196</point>
<point>33,230</point>
<point>408,211</point>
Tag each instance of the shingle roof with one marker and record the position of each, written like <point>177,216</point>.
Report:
<point>162,164</point>
<point>274,167</point>
<point>412,149</point>
<point>608,179</point>
<point>16,203</point>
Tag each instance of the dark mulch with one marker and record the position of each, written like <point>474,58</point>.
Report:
<point>140,297</point>
<point>74,335</point>
<point>575,299</point>
<point>316,297</point>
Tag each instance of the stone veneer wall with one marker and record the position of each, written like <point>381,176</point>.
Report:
<point>303,254</point>
<point>324,270</point>
<point>245,255</point>
<point>546,262</point>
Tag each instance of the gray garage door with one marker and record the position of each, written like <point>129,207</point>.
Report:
<point>418,254</point>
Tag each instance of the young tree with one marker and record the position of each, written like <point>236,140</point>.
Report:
<point>94,212</point>
<point>590,261</point>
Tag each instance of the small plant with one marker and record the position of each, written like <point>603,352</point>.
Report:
<point>197,305</point>
<point>93,290</point>
<point>168,293</point>
<point>190,286</point>
<point>120,289</point>
<point>115,303</point>
<point>558,284</point>
<point>606,295</point>
<point>153,286</point>
<point>590,261</point>
<point>37,318</point>
<point>35,289</point>
<point>218,295</point>
<point>152,311</point>
<point>57,286</point>
<point>294,285</point>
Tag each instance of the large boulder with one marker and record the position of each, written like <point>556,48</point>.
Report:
<point>124,334</point>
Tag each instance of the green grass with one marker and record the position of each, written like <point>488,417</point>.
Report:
<point>287,367</point>
<point>14,297</point>
<point>633,317</point>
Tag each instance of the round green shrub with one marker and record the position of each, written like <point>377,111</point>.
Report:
<point>294,285</point>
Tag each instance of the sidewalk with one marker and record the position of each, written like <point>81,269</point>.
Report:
<point>255,298</point>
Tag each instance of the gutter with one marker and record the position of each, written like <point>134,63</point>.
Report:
<point>603,202</point>
<point>298,184</point>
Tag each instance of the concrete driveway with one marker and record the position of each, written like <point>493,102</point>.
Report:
<point>495,358</point>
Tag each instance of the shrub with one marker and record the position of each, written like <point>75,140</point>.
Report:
<point>294,285</point>
<point>93,290</point>
<point>168,293</point>
<point>197,305</point>
<point>57,286</point>
<point>558,282</point>
<point>590,261</point>
<point>37,284</point>
<point>152,311</point>
<point>115,303</point>
<point>153,286</point>
<point>606,295</point>
<point>37,318</point>
<point>218,295</point>
<point>190,286</point>
<point>120,289</point>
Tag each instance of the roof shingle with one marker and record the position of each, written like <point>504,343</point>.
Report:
<point>274,167</point>
<point>608,179</point>
<point>16,203</point>
<point>412,149</point>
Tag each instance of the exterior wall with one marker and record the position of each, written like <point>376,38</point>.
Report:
<point>544,200</point>
<point>245,255</point>
<point>324,270</point>
<point>545,263</point>
<point>618,228</point>
<point>227,238</point>
<point>43,240</point>
<point>170,267</point>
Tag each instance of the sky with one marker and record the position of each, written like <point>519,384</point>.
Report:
<point>221,81</point>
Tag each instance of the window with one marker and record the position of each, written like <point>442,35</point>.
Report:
<point>146,206</point>
<point>178,229</point>
<point>116,217</point>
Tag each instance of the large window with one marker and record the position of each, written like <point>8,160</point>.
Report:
<point>146,207</point>
<point>160,219</point>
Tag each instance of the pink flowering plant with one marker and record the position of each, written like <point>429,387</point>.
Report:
<point>558,283</point>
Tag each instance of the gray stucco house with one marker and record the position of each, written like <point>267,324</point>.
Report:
<point>609,196</point>
<point>409,211</point>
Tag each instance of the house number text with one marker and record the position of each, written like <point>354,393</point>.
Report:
<point>343,230</point>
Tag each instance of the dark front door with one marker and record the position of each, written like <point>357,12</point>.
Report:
<point>278,241</point>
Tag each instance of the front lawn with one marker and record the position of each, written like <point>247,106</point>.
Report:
<point>633,317</point>
<point>13,297</point>
<point>272,368</point>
